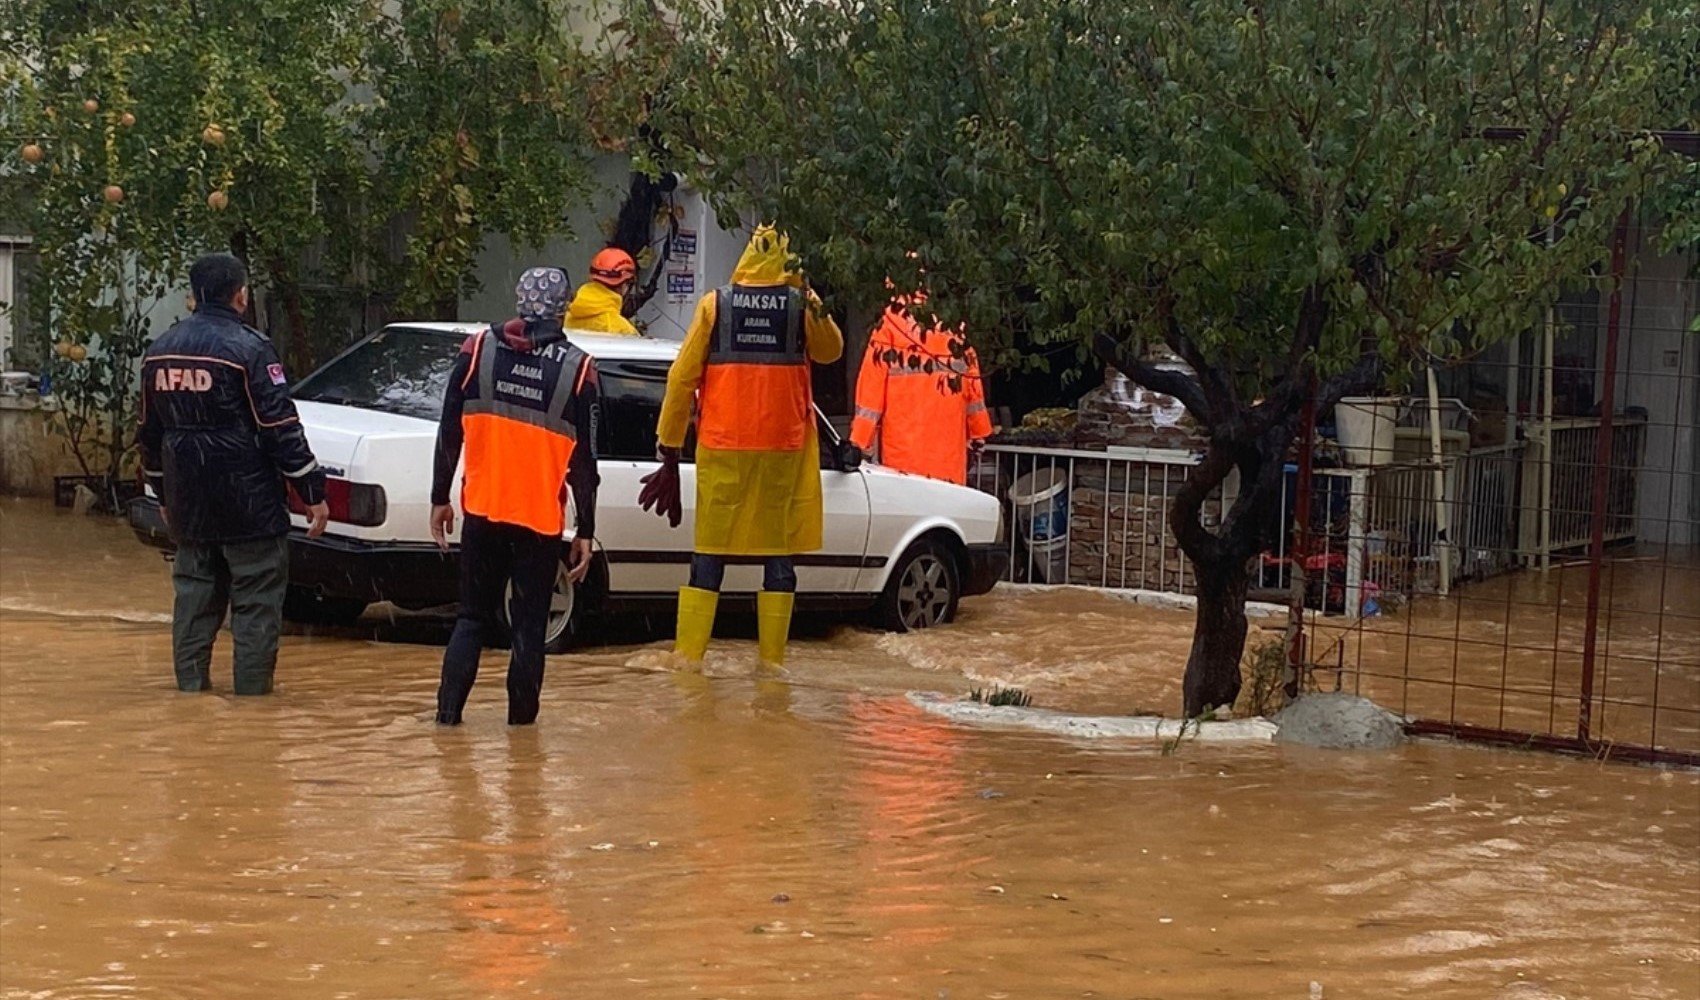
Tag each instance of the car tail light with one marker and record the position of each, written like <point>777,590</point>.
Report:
<point>360,504</point>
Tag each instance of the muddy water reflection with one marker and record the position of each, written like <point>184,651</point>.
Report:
<point>666,835</point>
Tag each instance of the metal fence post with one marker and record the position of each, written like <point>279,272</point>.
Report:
<point>1602,479</point>
<point>1296,653</point>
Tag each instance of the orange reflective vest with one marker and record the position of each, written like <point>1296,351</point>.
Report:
<point>925,401</point>
<point>519,433</point>
<point>755,392</point>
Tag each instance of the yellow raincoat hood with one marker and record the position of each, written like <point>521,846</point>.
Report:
<point>596,309</point>
<point>765,262</point>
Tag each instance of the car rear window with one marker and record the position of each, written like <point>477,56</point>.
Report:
<point>400,371</point>
<point>405,372</point>
<point>631,407</point>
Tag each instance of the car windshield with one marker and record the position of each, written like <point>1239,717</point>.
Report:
<point>400,371</point>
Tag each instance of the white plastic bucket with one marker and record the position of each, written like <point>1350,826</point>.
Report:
<point>1041,504</point>
<point>1365,426</point>
<point>1041,511</point>
<point>1050,559</point>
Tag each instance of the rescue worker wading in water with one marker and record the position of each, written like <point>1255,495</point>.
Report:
<point>219,438</point>
<point>524,401</point>
<point>745,365</point>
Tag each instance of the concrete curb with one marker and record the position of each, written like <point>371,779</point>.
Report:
<point>1092,727</point>
<point>1149,598</point>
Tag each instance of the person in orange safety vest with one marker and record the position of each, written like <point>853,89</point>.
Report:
<point>920,390</point>
<point>745,367</point>
<point>522,401</point>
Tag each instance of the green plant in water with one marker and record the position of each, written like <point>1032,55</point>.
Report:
<point>998,697</point>
<point>1265,672</point>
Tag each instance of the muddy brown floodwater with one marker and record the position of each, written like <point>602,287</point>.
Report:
<point>674,835</point>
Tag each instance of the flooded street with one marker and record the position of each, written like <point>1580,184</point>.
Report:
<point>671,835</point>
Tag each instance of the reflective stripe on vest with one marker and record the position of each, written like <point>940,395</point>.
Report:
<point>755,387</point>
<point>522,392</point>
<point>520,435</point>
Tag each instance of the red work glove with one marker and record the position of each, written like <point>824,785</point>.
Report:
<point>660,491</point>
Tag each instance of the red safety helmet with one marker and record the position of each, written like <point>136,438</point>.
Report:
<point>613,267</point>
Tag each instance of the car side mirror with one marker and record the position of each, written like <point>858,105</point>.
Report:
<point>846,457</point>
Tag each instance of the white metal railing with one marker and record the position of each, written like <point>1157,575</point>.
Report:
<point>1373,530</point>
<point>1558,484</point>
<point>1115,530</point>
<point>1392,529</point>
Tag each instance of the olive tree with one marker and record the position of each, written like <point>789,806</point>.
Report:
<point>1302,201</point>
<point>273,168</point>
<point>479,120</point>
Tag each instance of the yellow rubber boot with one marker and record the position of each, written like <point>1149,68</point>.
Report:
<point>773,625</point>
<point>696,622</point>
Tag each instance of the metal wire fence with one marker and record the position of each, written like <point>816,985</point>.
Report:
<point>1529,576</point>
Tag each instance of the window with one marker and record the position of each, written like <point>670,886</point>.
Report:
<point>631,394</point>
<point>22,347</point>
<point>400,371</point>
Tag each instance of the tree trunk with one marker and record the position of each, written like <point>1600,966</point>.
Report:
<point>1218,638</point>
<point>1221,558</point>
<point>446,309</point>
<point>300,348</point>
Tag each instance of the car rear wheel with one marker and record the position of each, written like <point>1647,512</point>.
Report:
<point>562,627</point>
<point>309,607</point>
<point>924,589</point>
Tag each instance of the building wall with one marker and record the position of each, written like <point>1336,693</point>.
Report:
<point>666,316</point>
<point>1659,372</point>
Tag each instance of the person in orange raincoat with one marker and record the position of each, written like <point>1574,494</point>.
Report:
<point>921,391</point>
<point>599,304</point>
<point>744,367</point>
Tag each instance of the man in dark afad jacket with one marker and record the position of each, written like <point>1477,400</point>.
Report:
<point>219,439</point>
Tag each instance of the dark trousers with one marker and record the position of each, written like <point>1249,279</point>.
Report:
<point>249,579</point>
<point>778,573</point>
<point>492,555</point>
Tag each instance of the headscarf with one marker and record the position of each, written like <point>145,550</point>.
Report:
<point>542,294</point>
<point>540,300</point>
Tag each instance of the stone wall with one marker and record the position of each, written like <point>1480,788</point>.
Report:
<point>1118,526</point>
<point>30,454</point>
<point>1122,414</point>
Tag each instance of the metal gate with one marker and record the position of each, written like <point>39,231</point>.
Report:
<point>1569,617</point>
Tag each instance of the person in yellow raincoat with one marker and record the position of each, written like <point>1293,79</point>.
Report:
<point>598,306</point>
<point>744,365</point>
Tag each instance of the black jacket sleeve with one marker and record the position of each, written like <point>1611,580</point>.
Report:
<point>150,436</point>
<point>279,426</point>
<point>449,433</point>
<point>582,475</point>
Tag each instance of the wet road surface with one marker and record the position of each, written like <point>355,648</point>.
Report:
<point>673,835</point>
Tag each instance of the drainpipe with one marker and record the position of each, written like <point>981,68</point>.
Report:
<point>1514,392</point>
<point>1437,454</point>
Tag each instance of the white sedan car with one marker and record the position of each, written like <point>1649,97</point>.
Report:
<point>902,548</point>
